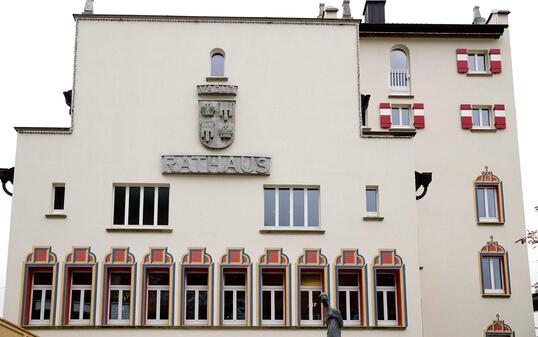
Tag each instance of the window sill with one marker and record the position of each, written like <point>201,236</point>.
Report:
<point>483,130</point>
<point>134,229</point>
<point>372,218</point>
<point>480,74</point>
<point>266,230</point>
<point>216,79</point>
<point>56,215</point>
<point>496,295</point>
<point>403,95</point>
<point>495,223</point>
<point>393,133</point>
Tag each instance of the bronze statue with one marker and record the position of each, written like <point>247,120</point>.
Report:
<point>333,318</point>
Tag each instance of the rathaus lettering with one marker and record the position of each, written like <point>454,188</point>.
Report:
<point>202,164</point>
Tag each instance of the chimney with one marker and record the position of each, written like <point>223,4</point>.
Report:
<point>374,11</point>
<point>321,10</point>
<point>331,13</point>
<point>477,18</point>
<point>498,17</point>
<point>347,10</point>
<point>88,7</point>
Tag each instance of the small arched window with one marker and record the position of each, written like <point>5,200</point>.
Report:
<point>217,64</point>
<point>399,70</point>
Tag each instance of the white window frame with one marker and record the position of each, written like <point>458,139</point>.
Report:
<point>311,300</point>
<point>348,290</point>
<point>474,54</point>
<point>53,198</point>
<point>400,114</point>
<point>196,289</point>
<point>141,206</point>
<point>492,275</point>
<point>376,189</point>
<point>306,206</point>
<point>273,290</point>
<point>397,76</point>
<point>385,290</point>
<point>158,289</point>
<point>482,189</point>
<point>480,120</point>
<point>234,290</point>
<point>84,290</point>
<point>43,288</point>
<point>120,288</point>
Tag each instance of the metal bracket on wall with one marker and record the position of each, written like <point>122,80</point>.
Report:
<point>7,175</point>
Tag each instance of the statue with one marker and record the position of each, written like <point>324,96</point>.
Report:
<point>333,318</point>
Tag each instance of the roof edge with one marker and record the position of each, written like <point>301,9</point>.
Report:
<point>432,30</point>
<point>42,130</point>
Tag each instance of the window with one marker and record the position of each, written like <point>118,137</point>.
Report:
<point>119,306</point>
<point>40,302</point>
<point>217,64</point>
<point>234,294</point>
<point>349,297</point>
<point>386,302</point>
<point>477,62</point>
<point>291,207</point>
<point>401,117</point>
<point>141,205</point>
<point>486,200</point>
<point>81,298</point>
<point>58,198</point>
<point>272,299</point>
<point>481,118</point>
<point>310,290</point>
<point>492,275</point>
<point>372,201</point>
<point>158,296</point>
<point>196,293</point>
<point>399,70</point>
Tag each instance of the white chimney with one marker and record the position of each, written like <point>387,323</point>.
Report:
<point>88,7</point>
<point>331,12</point>
<point>498,17</point>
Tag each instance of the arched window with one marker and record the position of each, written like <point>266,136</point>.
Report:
<point>399,70</point>
<point>217,63</point>
<point>494,270</point>
<point>489,199</point>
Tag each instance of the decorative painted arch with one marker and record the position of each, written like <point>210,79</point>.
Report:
<point>119,259</point>
<point>351,261</point>
<point>274,259</point>
<point>350,257</point>
<point>487,176</point>
<point>499,329</point>
<point>80,258</point>
<point>493,249</point>
<point>312,260</point>
<point>388,258</point>
<point>197,259</point>
<point>40,259</point>
<point>158,259</point>
<point>236,258</point>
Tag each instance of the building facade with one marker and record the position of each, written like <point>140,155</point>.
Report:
<point>220,173</point>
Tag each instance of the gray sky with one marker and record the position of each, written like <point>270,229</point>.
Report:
<point>36,64</point>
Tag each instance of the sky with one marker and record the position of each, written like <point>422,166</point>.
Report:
<point>36,66</point>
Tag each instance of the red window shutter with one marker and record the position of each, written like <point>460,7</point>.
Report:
<point>500,116</point>
<point>384,115</point>
<point>466,116</point>
<point>418,115</point>
<point>495,61</point>
<point>463,61</point>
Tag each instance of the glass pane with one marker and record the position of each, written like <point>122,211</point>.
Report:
<point>59,197</point>
<point>492,202</point>
<point>119,205</point>
<point>217,65</point>
<point>152,304</point>
<point>481,62</point>
<point>269,206</point>
<point>240,305</point>
<point>298,207</point>
<point>191,298</point>
<point>114,304</point>
<point>266,305</point>
<point>162,211</point>
<point>317,305</point>
<point>371,200</point>
<point>75,304</point>
<point>202,304</point>
<point>134,205</point>
<point>310,279</point>
<point>485,117</point>
<point>345,279</point>
<point>398,59</point>
<point>82,278</point>
<point>43,278</point>
<point>272,279</point>
<point>284,207</point>
<point>354,305</point>
<point>406,117</point>
<point>472,62</point>
<point>395,116</point>
<point>497,274</point>
<point>48,294</point>
<point>126,304</point>
<point>486,274</point>
<point>197,279</point>
<point>149,205</point>
<point>391,305</point>
<point>476,117</point>
<point>164,305</point>
<point>304,305</point>
<point>87,304</point>
<point>228,305</point>
<point>234,279</point>
<point>385,280</point>
<point>380,306</point>
<point>313,208</point>
<point>342,304</point>
<point>279,305</point>
<point>36,305</point>
<point>159,279</point>
<point>123,279</point>
<point>481,203</point>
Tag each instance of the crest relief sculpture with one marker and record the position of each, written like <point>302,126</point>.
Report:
<point>217,123</point>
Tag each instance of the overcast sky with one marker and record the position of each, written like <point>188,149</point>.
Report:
<point>36,64</point>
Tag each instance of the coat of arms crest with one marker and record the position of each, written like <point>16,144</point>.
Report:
<point>217,123</point>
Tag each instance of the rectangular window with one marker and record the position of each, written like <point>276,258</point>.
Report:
<point>141,205</point>
<point>386,301</point>
<point>486,202</point>
<point>492,275</point>
<point>371,201</point>
<point>310,290</point>
<point>58,197</point>
<point>401,117</point>
<point>272,299</point>
<point>158,298</point>
<point>196,291</point>
<point>291,207</point>
<point>81,298</point>
<point>481,118</point>
<point>477,62</point>
<point>40,302</point>
<point>235,292</point>
<point>349,297</point>
<point>119,297</point>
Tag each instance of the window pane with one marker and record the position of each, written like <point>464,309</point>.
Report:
<point>119,205</point>
<point>398,59</point>
<point>162,211</point>
<point>266,305</point>
<point>472,62</point>
<point>234,279</point>
<point>114,304</point>
<point>345,279</point>
<point>342,304</point>
<point>217,65</point>
<point>317,305</point>
<point>152,304</point>
<point>298,207</point>
<point>164,305</point>
<point>486,273</point>
<point>240,305</point>
<point>313,208</point>
<point>134,205</point>
<point>149,205</point>
<point>59,197</point>
<point>159,279</point>
<point>228,305</point>
<point>36,305</point>
<point>202,304</point>
<point>371,200</point>
<point>272,279</point>
<point>191,298</point>
<point>492,202</point>
<point>43,278</point>
<point>497,274</point>
<point>380,306</point>
<point>485,117</point>
<point>395,116</point>
<point>197,279</point>
<point>48,294</point>
<point>126,304</point>
<point>480,62</point>
<point>385,280</point>
<point>310,279</point>
<point>82,278</point>
<point>354,305</point>
<point>279,305</point>
<point>87,304</point>
<point>304,305</point>
<point>75,304</point>
<point>284,207</point>
<point>269,206</point>
<point>391,305</point>
<point>476,117</point>
<point>123,279</point>
<point>406,117</point>
<point>481,203</point>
